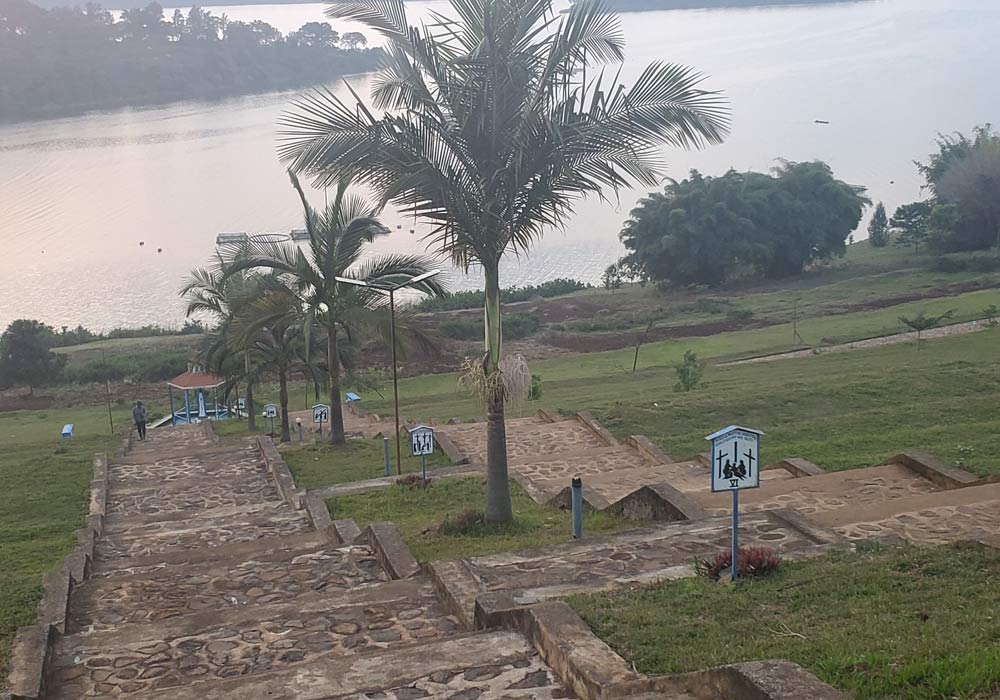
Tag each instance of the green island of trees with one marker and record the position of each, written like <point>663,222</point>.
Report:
<point>67,61</point>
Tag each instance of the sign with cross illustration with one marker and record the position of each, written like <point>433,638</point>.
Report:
<point>735,466</point>
<point>735,458</point>
<point>422,440</point>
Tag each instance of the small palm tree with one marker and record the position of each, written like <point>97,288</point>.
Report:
<point>922,322</point>
<point>337,240</point>
<point>209,291</point>
<point>271,328</point>
<point>497,120</point>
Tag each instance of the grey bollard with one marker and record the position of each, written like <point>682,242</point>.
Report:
<point>388,466</point>
<point>577,490</point>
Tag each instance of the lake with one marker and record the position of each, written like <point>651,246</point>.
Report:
<point>79,195</point>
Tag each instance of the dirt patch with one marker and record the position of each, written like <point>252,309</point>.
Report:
<point>24,403</point>
<point>936,293</point>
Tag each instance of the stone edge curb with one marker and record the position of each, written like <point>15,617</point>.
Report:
<point>546,416</point>
<point>602,433</point>
<point>591,669</point>
<point>648,449</point>
<point>797,466</point>
<point>934,470</point>
<point>395,557</point>
<point>32,646</point>
<point>658,502</point>
<point>279,471</point>
<point>457,587</point>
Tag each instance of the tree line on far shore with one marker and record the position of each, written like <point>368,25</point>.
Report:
<point>708,230</point>
<point>69,60</point>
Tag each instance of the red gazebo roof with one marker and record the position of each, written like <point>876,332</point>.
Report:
<point>196,380</point>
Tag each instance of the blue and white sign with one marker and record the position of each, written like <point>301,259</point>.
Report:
<point>321,413</point>
<point>422,440</point>
<point>735,458</point>
<point>270,411</point>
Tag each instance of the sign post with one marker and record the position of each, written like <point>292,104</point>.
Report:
<point>321,414</point>
<point>241,407</point>
<point>270,413</point>
<point>735,466</point>
<point>422,444</point>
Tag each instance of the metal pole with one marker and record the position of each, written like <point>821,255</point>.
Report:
<point>577,490</point>
<point>107,388</point>
<point>423,470</point>
<point>388,462</point>
<point>736,532</point>
<point>173,417</point>
<point>395,379</point>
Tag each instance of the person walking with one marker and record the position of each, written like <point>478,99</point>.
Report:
<point>139,416</point>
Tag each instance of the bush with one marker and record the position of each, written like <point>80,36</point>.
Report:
<point>985,262</point>
<point>517,326</point>
<point>754,562</point>
<point>412,481</point>
<point>462,329</point>
<point>150,367</point>
<point>466,522</point>
<point>739,314</point>
<point>475,299</point>
<point>535,392</point>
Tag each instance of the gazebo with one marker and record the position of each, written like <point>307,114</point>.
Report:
<point>197,382</point>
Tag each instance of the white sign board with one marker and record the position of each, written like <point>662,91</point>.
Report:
<point>270,411</point>
<point>422,440</point>
<point>241,405</point>
<point>321,413</point>
<point>735,458</point>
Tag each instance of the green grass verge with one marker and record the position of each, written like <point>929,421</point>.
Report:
<point>417,512</point>
<point>901,624</point>
<point>322,464</point>
<point>43,500</point>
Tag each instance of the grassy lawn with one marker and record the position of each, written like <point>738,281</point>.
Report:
<point>322,464</point>
<point>417,511</point>
<point>903,624</point>
<point>43,500</point>
<point>77,355</point>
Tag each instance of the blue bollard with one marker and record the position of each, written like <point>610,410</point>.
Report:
<point>385,445</point>
<point>577,490</point>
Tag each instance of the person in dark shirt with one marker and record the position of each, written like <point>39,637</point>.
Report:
<point>139,416</point>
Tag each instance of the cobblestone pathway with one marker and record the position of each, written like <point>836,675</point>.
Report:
<point>206,584</point>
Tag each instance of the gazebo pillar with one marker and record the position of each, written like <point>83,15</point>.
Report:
<point>187,407</point>
<point>173,418</point>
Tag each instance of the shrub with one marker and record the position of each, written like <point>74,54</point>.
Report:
<point>412,481</point>
<point>517,326</point>
<point>990,314</point>
<point>739,314</point>
<point>476,298</point>
<point>754,562</point>
<point>464,523</point>
<point>462,329</point>
<point>689,372</point>
<point>535,392</point>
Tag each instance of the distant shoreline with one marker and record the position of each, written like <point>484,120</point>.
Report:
<point>665,5</point>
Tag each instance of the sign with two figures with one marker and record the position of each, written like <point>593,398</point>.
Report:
<point>321,415</point>
<point>735,466</point>
<point>421,445</point>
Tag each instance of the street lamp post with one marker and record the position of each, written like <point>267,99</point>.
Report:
<point>391,292</point>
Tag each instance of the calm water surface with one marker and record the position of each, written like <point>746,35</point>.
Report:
<point>78,195</point>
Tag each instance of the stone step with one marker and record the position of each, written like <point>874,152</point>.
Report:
<point>275,576</point>
<point>262,549</point>
<point>182,498</point>
<point>526,440</point>
<point>204,449</point>
<point>225,461</point>
<point>635,556</point>
<point>484,665</point>
<point>933,518</point>
<point>851,489</point>
<point>250,640</point>
<point>213,528</point>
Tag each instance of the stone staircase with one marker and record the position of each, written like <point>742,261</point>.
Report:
<point>205,582</point>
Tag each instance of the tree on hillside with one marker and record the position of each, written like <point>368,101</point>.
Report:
<point>26,355</point>
<point>923,322</point>
<point>711,230</point>
<point>496,122</point>
<point>338,238</point>
<point>354,40</point>
<point>612,277</point>
<point>911,222</point>
<point>878,228</point>
<point>965,174</point>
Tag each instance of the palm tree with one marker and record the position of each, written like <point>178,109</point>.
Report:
<point>337,239</point>
<point>497,122</point>
<point>271,328</point>
<point>210,291</point>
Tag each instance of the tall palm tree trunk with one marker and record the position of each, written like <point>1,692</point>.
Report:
<point>498,507</point>
<point>251,411</point>
<point>286,434</point>
<point>336,407</point>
